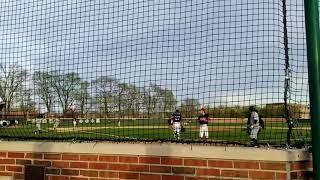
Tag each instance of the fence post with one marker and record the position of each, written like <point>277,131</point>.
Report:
<point>312,33</point>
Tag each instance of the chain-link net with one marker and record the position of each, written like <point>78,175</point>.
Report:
<point>117,70</point>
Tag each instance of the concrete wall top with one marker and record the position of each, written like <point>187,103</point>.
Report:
<point>161,149</point>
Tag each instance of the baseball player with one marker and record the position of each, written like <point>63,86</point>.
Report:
<point>253,125</point>
<point>203,120</point>
<point>74,123</point>
<point>56,123</point>
<point>176,123</point>
<point>38,126</point>
<point>72,109</point>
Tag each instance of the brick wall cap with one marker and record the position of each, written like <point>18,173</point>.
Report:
<point>161,149</point>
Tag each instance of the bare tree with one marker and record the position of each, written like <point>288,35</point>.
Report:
<point>83,97</point>
<point>134,99</point>
<point>168,100</point>
<point>26,103</point>
<point>43,83</point>
<point>12,78</point>
<point>106,92</point>
<point>66,86</point>
<point>190,106</point>
<point>163,100</point>
<point>157,99</point>
<point>122,97</point>
<point>147,99</point>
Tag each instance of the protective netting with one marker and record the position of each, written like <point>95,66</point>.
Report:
<point>116,70</point>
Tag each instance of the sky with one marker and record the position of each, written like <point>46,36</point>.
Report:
<point>222,52</point>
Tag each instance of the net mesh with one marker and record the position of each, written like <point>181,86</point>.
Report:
<point>116,70</point>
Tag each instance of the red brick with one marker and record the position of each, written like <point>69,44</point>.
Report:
<point>294,175</point>
<point>128,159</point>
<point>194,162</point>
<point>124,175</point>
<point>302,174</point>
<point>150,177</point>
<point>281,176</point>
<point>34,155</point>
<point>74,157</point>
<point>149,160</point>
<point>139,168</point>
<point>108,174</point>
<point>78,178</point>
<point>18,176</point>
<point>60,164</point>
<point>109,158</point>
<point>261,174</point>
<point>88,157</point>
<point>160,169</point>
<point>234,173</point>
<point>208,172</point>
<point>14,168</point>
<point>7,161</point>
<point>119,167</point>
<point>246,165</point>
<point>221,164</point>
<point>89,173</point>
<point>195,178</point>
<point>171,161</point>
<point>2,168</point>
<point>42,163</point>
<point>102,166</point>
<point>15,155</point>
<point>58,177</point>
<point>69,172</point>
<point>183,170</point>
<point>6,173</point>
<point>82,165</point>
<point>52,156</point>
<point>310,165</point>
<point>172,177</point>
<point>23,161</point>
<point>53,171</point>
<point>301,165</point>
<point>3,154</point>
<point>218,178</point>
<point>272,166</point>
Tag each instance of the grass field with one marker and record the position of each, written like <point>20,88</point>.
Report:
<point>154,129</point>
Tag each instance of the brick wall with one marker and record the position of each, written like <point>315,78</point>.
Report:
<point>154,161</point>
<point>74,166</point>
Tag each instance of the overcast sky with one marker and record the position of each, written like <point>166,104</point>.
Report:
<point>218,51</point>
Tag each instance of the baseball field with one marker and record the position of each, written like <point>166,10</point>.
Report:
<point>220,130</point>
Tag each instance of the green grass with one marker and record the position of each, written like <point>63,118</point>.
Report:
<point>155,130</point>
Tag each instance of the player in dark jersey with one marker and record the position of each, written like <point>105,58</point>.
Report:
<point>253,125</point>
<point>175,122</point>
<point>203,120</point>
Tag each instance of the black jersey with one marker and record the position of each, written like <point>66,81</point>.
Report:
<point>203,119</point>
<point>176,117</point>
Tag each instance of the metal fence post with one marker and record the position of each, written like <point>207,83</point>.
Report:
<point>312,33</point>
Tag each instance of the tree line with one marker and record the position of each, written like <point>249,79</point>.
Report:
<point>59,90</point>
<point>104,96</point>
